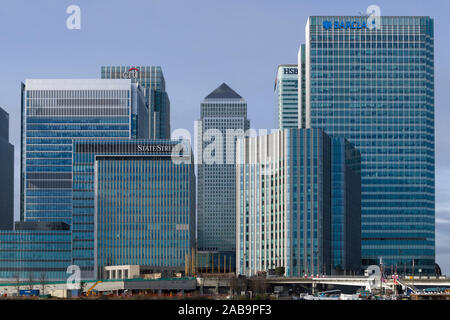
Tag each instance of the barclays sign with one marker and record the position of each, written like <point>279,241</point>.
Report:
<point>327,25</point>
<point>372,21</point>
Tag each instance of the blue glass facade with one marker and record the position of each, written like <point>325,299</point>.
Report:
<point>139,197</point>
<point>345,207</point>
<point>152,81</point>
<point>375,87</point>
<point>29,254</point>
<point>301,94</point>
<point>54,113</point>
<point>310,176</point>
<point>6,174</point>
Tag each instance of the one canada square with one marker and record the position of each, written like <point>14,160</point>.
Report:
<point>374,85</point>
<point>223,120</point>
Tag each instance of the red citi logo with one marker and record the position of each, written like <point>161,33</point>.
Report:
<point>132,73</point>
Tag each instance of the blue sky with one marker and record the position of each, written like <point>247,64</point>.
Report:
<point>199,44</point>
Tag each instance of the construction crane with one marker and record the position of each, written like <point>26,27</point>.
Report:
<point>88,293</point>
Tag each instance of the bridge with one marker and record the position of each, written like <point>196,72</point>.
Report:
<point>369,282</point>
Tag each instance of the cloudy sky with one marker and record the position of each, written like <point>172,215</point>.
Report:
<point>199,44</point>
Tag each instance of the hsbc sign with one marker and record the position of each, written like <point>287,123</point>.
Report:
<point>290,70</point>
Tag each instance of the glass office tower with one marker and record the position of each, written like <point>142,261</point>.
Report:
<point>301,94</point>
<point>292,186</point>
<point>6,174</point>
<point>142,193</point>
<point>223,120</point>
<point>286,86</point>
<point>54,112</point>
<point>375,87</point>
<point>345,207</point>
<point>152,81</point>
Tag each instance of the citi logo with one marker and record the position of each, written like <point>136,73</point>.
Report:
<point>132,73</point>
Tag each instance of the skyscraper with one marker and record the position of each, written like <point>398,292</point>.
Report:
<point>152,81</point>
<point>223,120</point>
<point>143,192</point>
<point>345,207</point>
<point>293,185</point>
<point>6,174</point>
<point>286,85</point>
<point>56,111</point>
<point>301,95</point>
<point>374,85</point>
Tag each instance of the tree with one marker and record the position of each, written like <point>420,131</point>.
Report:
<point>238,284</point>
<point>17,277</point>
<point>279,271</point>
<point>82,286</point>
<point>234,285</point>
<point>258,285</point>
<point>43,281</point>
<point>30,281</point>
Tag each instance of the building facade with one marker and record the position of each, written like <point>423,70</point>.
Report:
<point>223,120</point>
<point>285,207</point>
<point>301,87</point>
<point>56,111</point>
<point>375,87</point>
<point>143,197</point>
<point>6,174</point>
<point>152,80</point>
<point>286,86</point>
<point>345,207</point>
<point>35,252</point>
